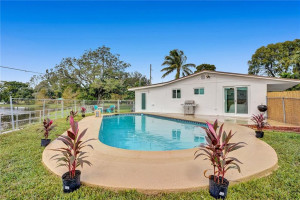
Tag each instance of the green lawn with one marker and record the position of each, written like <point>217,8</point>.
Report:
<point>23,176</point>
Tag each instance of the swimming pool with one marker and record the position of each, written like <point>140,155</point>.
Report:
<point>150,133</point>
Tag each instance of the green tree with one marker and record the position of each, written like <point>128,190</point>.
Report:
<point>175,61</point>
<point>296,62</point>
<point>290,75</point>
<point>202,67</point>
<point>275,59</point>
<point>15,89</point>
<point>95,75</point>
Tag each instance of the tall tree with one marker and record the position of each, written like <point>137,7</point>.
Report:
<point>175,61</point>
<point>296,61</point>
<point>95,75</point>
<point>205,67</point>
<point>275,59</point>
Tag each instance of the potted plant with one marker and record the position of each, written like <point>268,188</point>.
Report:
<point>46,129</point>
<point>83,110</point>
<point>72,114</point>
<point>72,156</point>
<point>216,150</point>
<point>259,121</point>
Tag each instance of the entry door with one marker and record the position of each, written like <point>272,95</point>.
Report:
<point>236,100</point>
<point>143,101</point>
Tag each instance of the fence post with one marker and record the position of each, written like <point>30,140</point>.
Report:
<point>12,113</point>
<point>56,109</point>
<point>75,105</point>
<point>266,113</point>
<point>133,106</point>
<point>62,109</point>
<point>44,109</point>
<point>40,116</point>
<point>29,117</point>
<point>283,109</point>
<point>17,120</point>
<point>0,123</point>
<point>118,106</point>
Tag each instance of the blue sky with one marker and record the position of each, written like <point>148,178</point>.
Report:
<point>37,35</point>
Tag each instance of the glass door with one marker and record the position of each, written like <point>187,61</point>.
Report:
<point>236,100</point>
<point>229,100</point>
<point>242,100</point>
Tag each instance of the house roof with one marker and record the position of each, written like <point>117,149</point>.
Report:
<point>219,73</point>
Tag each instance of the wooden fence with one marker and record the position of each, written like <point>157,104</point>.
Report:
<point>284,106</point>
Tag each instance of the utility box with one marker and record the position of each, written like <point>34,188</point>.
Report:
<point>189,107</point>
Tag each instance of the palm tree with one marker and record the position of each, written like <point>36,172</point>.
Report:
<point>176,61</point>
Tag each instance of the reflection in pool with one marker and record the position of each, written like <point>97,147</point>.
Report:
<point>150,133</point>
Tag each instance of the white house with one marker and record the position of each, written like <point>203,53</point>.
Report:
<point>215,93</point>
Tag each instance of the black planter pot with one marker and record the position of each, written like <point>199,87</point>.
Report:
<point>259,134</point>
<point>83,115</point>
<point>45,142</point>
<point>218,191</point>
<point>262,108</point>
<point>71,184</point>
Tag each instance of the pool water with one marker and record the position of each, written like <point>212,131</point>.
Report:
<point>150,133</point>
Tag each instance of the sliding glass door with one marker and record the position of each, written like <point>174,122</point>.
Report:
<point>236,100</point>
<point>229,100</point>
<point>242,100</point>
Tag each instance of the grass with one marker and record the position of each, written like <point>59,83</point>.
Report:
<point>23,176</point>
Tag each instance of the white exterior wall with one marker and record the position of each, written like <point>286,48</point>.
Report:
<point>159,99</point>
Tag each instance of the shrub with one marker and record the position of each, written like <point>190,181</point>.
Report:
<point>47,127</point>
<point>83,110</point>
<point>72,114</point>
<point>259,121</point>
<point>72,154</point>
<point>217,149</point>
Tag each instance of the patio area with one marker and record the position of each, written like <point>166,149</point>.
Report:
<point>167,171</point>
<point>227,119</point>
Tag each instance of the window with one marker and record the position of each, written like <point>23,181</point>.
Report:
<point>176,94</point>
<point>198,91</point>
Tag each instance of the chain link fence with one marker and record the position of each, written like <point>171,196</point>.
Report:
<point>21,111</point>
<point>286,110</point>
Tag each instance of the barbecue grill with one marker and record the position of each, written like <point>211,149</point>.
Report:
<point>189,107</point>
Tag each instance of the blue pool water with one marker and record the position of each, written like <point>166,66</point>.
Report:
<point>150,133</point>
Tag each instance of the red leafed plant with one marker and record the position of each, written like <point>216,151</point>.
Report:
<point>47,127</point>
<point>217,149</point>
<point>83,110</point>
<point>72,154</point>
<point>72,114</point>
<point>259,121</point>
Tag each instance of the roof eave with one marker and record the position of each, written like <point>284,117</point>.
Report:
<point>216,72</point>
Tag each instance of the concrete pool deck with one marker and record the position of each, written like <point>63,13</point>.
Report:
<point>162,171</point>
